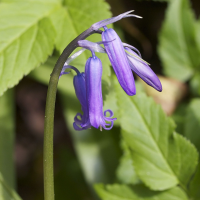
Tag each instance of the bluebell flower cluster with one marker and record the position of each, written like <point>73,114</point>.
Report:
<point>124,59</point>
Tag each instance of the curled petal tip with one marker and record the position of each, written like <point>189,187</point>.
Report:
<point>105,22</point>
<point>137,16</point>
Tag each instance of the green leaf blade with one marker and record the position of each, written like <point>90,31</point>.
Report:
<point>26,39</point>
<point>161,158</point>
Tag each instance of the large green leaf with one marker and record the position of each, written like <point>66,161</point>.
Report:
<point>7,137</point>
<point>192,123</point>
<point>26,38</point>
<point>162,158</point>
<point>178,47</point>
<point>6,192</point>
<point>137,192</point>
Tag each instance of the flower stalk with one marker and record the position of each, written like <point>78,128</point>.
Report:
<point>49,114</point>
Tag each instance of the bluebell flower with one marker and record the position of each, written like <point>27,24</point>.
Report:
<point>81,121</point>
<point>88,90</point>
<point>142,69</point>
<point>119,60</point>
<point>93,74</point>
<point>124,59</point>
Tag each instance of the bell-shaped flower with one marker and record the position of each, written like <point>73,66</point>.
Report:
<point>141,68</point>
<point>122,61</point>
<point>83,121</point>
<point>93,74</point>
<point>80,120</point>
<point>119,60</point>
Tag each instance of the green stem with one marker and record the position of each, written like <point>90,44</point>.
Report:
<point>49,114</point>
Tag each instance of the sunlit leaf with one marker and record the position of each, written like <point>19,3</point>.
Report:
<point>161,157</point>
<point>26,39</point>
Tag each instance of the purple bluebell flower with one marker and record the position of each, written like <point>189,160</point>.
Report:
<point>123,62</point>
<point>81,121</point>
<point>80,90</point>
<point>93,74</point>
<point>88,90</point>
<point>142,69</point>
<point>119,60</point>
<point>124,59</point>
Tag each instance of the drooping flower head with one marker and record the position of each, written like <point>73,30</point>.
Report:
<point>80,120</point>
<point>83,121</point>
<point>124,59</point>
<point>119,60</point>
<point>93,74</point>
<point>142,69</point>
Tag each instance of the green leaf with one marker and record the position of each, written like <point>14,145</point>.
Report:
<point>7,193</point>
<point>178,47</point>
<point>192,123</point>
<point>26,39</point>
<point>195,185</point>
<point>161,158</point>
<point>137,192</point>
<point>7,137</point>
<point>125,172</point>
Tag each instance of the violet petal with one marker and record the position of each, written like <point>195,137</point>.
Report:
<point>143,71</point>
<point>119,61</point>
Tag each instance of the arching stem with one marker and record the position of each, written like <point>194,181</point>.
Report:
<point>49,114</point>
